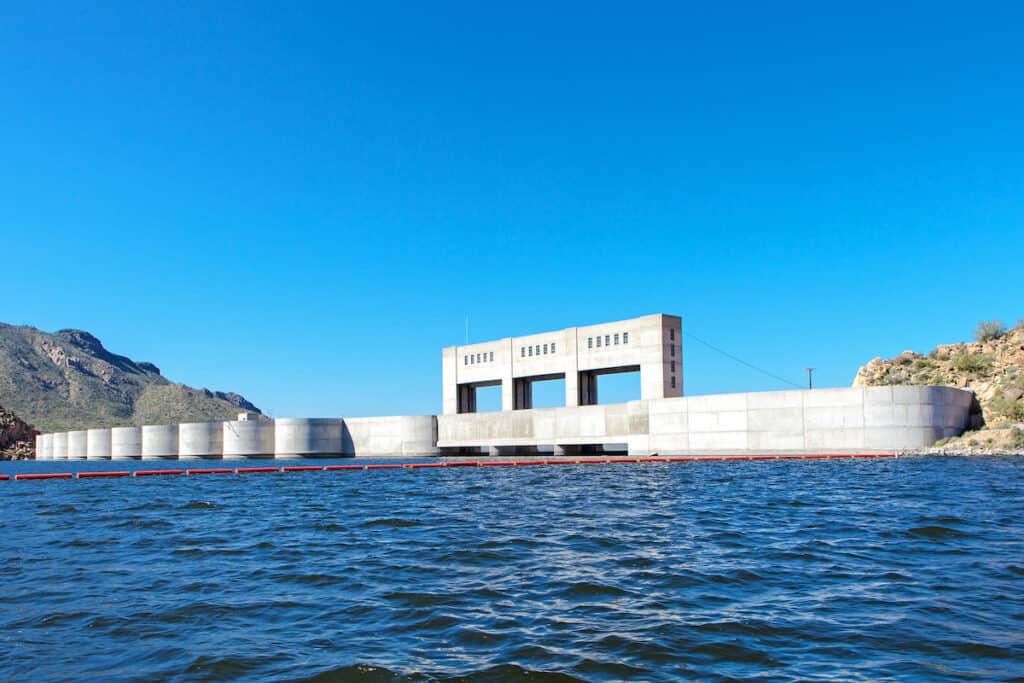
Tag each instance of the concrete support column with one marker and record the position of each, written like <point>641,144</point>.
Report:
<point>572,377</point>
<point>467,398</point>
<point>450,381</point>
<point>561,451</point>
<point>523,394</point>
<point>587,388</point>
<point>508,391</point>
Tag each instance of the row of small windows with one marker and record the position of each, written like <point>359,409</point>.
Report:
<point>474,358</point>
<point>609,340</point>
<point>535,349</point>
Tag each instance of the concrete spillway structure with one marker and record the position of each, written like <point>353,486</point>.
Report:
<point>395,435</point>
<point>201,441</point>
<point>307,438</point>
<point>248,439</point>
<point>126,443</point>
<point>60,446</point>
<point>160,442</point>
<point>98,444</point>
<point>77,445</point>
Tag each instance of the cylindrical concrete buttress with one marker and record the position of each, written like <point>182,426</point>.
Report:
<point>248,439</point>
<point>419,435</point>
<point>160,442</point>
<point>307,438</point>
<point>47,448</point>
<point>77,444</point>
<point>60,446</point>
<point>201,441</point>
<point>126,443</point>
<point>98,444</point>
<point>39,447</point>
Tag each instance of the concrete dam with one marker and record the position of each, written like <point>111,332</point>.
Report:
<point>663,420</point>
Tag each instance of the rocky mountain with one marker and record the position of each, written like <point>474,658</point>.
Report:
<point>992,366</point>
<point>17,438</point>
<point>68,380</point>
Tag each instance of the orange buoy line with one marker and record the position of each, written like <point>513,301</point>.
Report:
<point>456,463</point>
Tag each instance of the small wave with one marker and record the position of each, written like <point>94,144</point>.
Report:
<point>935,532</point>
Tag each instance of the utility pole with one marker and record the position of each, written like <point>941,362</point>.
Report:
<point>810,384</point>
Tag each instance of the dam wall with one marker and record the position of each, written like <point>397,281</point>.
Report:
<point>860,419</point>
<point>385,436</point>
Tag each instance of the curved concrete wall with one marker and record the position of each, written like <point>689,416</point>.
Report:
<point>201,441</point>
<point>248,439</point>
<point>160,442</point>
<point>39,446</point>
<point>98,444</point>
<point>297,437</point>
<point>60,446</point>
<point>126,443</point>
<point>47,446</point>
<point>77,444</point>
<point>397,435</point>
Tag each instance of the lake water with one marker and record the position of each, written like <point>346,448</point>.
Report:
<point>842,570</point>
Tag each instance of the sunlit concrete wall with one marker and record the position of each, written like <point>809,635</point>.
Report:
<point>60,446</point>
<point>77,444</point>
<point>829,420</point>
<point>248,439</point>
<point>395,435</point>
<point>98,444</point>
<point>201,441</point>
<point>160,442</point>
<point>297,437</point>
<point>126,443</point>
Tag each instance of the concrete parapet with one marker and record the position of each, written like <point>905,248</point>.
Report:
<point>126,443</point>
<point>201,441</point>
<point>160,442</point>
<point>248,439</point>
<point>60,446</point>
<point>98,444</point>
<point>307,438</point>
<point>77,445</point>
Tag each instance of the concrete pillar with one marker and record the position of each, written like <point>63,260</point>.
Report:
<point>307,438</point>
<point>160,442</point>
<point>508,392</point>
<point>561,451</point>
<point>126,443</point>
<point>60,446</point>
<point>77,444</point>
<point>450,381</point>
<point>201,441</point>
<point>572,377</point>
<point>248,440</point>
<point>98,444</point>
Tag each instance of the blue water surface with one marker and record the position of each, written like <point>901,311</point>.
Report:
<point>842,570</point>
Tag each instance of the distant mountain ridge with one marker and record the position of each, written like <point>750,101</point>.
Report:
<point>69,380</point>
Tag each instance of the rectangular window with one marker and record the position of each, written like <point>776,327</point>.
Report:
<point>598,341</point>
<point>625,337</point>
<point>531,350</point>
<point>538,349</point>
<point>492,356</point>
<point>606,340</point>
<point>465,360</point>
<point>673,381</point>
<point>590,342</point>
<point>522,352</point>
<point>672,350</point>
<point>672,333</point>
<point>552,347</point>
<point>616,338</point>
<point>545,349</point>
<point>673,368</point>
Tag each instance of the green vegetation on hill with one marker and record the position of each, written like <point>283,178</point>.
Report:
<point>992,366</point>
<point>68,380</point>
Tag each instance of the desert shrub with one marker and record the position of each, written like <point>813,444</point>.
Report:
<point>1004,405</point>
<point>975,363</point>
<point>1018,438</point>
<point>989,329</point>
<point>923,363</point>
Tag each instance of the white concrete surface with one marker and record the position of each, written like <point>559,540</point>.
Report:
<point>827,420</point>
<point>248,439</point>
<point>201,441</point>
<point>98,444</point>
<point>60,446</point>
<point>387,436</point>
<point>307,438</point>
<point>126,443</point>
<point>77,444</point>
<point>650,345</point>
<point>160,442</point>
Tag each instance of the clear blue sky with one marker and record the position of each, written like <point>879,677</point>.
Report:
<point>276,198</point>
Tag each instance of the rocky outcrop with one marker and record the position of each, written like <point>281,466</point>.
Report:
<point>17,437</point>
<point>992,367</point>
<point>69,380</point>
